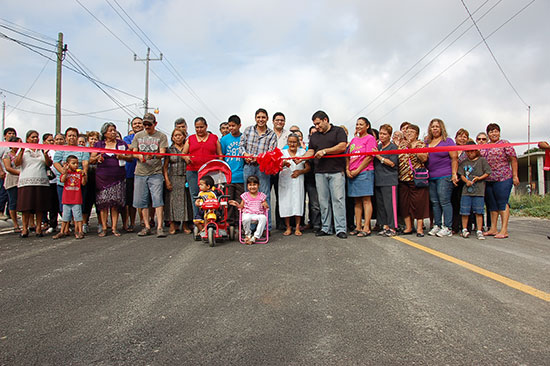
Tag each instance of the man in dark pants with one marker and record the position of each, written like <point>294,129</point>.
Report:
<point>314,211</point>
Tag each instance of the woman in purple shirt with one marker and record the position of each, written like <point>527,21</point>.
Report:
<point>443,167</point>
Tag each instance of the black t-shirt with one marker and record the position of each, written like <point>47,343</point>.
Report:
<point>319,141</point>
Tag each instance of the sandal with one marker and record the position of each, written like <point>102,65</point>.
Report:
<point>101,234</point>
<point>287,232</point>
<point>79,236</point>
<point>59,235</point>
<point>116,233</point>
<point>363,234</point>
<point>354,232</point>
<point>144,232</point>
<point>501,236</point>
<point>298,233</point>
<point>17,230</point>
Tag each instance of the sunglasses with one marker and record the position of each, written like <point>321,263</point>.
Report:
<point>481,139</point>
<point>147,124</point>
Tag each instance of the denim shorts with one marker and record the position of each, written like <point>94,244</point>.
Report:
<point>497,194</point>
<point>12,198</point>
<point>146,186</point>
<point>472,204</point>
<point>362,185</point>
<point>72,212</point>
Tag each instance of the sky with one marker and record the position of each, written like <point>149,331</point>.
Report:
<point>391,61</point>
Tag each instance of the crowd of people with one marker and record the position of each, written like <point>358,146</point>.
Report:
<point>410,192</point>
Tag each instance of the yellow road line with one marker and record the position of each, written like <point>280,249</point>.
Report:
<point>505,280</point>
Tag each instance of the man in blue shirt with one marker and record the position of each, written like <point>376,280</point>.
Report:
<point>230,146</point>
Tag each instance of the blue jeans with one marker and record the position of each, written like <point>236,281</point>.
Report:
<point>265,183</point>
<point>3,196</point>
<point>331,188</point>
<point>193,181</point>
<point>440,196</point>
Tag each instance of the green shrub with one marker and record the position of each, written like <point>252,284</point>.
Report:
<point>534,205</point>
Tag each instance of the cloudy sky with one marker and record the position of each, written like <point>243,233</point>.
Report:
<point>348,58</point>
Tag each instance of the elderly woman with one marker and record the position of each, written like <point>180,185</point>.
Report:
<point>177,202</point>
<point>414,202</point>
<point>203,146</point>
<point>360,173</point>
<point>443,168</point>
<point>386,179</point>
<point>110,177</point>
<point>504,166</point>
<point>33,194</point>
<point>461,138</point>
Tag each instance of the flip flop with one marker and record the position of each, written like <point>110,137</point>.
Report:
<point>361,234</point>
<point>488,234</point>
<point>501,236</point>
<point>298,233</point>
<point>354,232</point>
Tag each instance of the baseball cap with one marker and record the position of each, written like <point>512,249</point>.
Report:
<point>149,117</point>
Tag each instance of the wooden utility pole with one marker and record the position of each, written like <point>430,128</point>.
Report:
<point>61,49</point>
<point>147,59</point>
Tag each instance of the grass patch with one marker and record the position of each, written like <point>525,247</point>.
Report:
<point>534,205</point>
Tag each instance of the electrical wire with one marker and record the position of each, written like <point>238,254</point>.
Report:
<point>29,89</point>
<point>456,61</point>
<point>175,73</point>
<point>492,54</point>
<point>88,114</point>
<point>424,67</point>
<point>422,58</point>
<point>26,35</point>
<point>41,35</point>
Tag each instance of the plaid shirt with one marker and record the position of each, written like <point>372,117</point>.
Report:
<point>253,143</point>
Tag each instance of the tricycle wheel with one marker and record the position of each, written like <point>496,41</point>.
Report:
<point>196,234</point>
<point>211,236</point>
<point>232,232</point>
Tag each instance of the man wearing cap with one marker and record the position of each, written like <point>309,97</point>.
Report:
<point>148,180</point>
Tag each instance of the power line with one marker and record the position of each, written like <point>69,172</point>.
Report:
<point>421,59</point>
<point>173,71</point>
<point>29,89</point>
<point>492,54</point>
<point>41,35</point>
<point>108,29</point>
<point>50,105</point>
<point>88,114</point>
<point>26,35</point>
<point>433,58</point>
<point>457,60</point>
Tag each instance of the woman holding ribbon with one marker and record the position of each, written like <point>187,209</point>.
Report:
<point>33,193</point>
<point>110,177</point>
<point>443,168</point>
<point>203,146</point>
<point>360,173</point>
<point>504,167</point>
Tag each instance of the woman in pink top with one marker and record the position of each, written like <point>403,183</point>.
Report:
<point>203,146</point>
<point>360,173</point>
<point>504,167</point>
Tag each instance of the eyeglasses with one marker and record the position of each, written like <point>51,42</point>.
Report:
<point>481,139</point>
<point>294,131</point>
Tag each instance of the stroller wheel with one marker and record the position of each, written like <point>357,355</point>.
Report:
<point>232,232</point>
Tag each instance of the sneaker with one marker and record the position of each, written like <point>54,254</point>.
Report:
<point>85,229</point>
<point>161,233</point>
<point>342,235</point>
<point>50,230</point>
<point>444,232</point>
<point>434,230</point>
<point>382,232</point>
<point>389,233</point>
<point>480,235</point>
<point>4,217</point>
<point>465,233</point>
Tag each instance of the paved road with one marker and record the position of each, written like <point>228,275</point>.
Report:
<point>379,301</point>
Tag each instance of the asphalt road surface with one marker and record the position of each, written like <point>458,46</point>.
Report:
<point>294,301</point>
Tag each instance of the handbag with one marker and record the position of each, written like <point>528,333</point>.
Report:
<point>49,172</point>
<point>420,176</point>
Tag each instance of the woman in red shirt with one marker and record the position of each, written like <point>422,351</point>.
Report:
<point>203,146</point>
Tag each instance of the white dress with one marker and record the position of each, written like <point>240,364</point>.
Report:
<point>291,190</point>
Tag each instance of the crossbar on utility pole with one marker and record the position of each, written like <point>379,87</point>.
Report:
<point>61,49</point>
<point>147,59</point>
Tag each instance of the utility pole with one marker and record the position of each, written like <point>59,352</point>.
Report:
<point>3,116</point>
<point>147,59</point>
<point>61,49</point>
<point>529,148</point>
